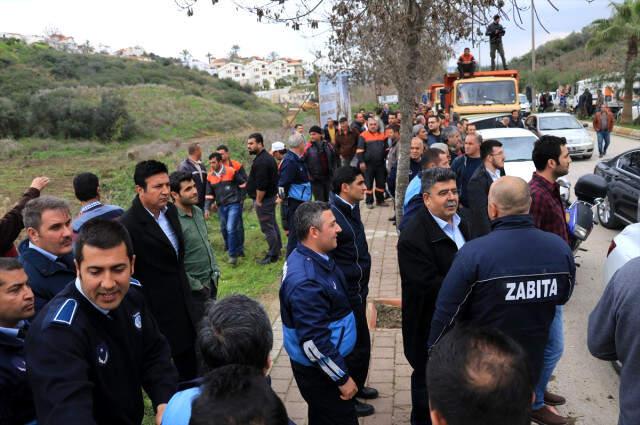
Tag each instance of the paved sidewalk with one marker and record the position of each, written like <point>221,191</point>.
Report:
<point>389,371</point>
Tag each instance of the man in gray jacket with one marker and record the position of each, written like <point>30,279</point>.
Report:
<point>613,335</point>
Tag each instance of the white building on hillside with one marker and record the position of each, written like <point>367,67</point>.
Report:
<point>255,70</point>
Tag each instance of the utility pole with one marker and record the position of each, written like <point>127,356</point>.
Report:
<point>533,53</point>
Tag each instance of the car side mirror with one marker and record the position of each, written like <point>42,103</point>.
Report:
<point>585,125</point>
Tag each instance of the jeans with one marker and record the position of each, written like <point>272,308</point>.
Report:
<point>229,217</point>
<point>269,226</point>
<point>552,353</point>
<point>604,138</point>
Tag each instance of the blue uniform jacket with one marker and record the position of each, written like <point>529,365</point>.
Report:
<point>46,277</point>
<point>294,177</point>
<point>511,279</point>
<point>352,253</point>
<point>318,325</point>
<point>105,212</point>
<point>16,401</point>
<point>86,367</point>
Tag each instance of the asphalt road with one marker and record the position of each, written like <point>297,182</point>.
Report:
<point>590,385</point>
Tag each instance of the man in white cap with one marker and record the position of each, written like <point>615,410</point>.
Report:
<point>294,186</point>
<point>278,149</point>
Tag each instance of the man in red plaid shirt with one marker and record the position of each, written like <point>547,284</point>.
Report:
<point>551,158</point>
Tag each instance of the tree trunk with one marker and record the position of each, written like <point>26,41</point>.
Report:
<point>407,88</point>
<point>629,77</point>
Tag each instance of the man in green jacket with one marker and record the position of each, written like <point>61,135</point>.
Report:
<point>199,261</point>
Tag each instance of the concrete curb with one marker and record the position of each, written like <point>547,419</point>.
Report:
<point>620,131</point>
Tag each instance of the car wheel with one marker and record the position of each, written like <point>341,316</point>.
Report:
<point>606,215</point>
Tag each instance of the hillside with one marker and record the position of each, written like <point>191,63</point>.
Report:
<point>48,93</point>
<point>566,60</point>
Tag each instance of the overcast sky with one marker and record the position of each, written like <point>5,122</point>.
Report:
<point>162,28</point>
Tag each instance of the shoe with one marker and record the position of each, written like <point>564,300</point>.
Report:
<point>364,409</point>
<point>601,155</point>
<point>233,261</point>
<point>367,393</point>
<point>268,260</point>
<point>545,416</point>
<point>392,218</point>
<point>370,206</point>
<point>241,254</point>
<point>551,399</point>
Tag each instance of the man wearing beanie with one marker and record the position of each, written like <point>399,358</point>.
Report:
<point>294,187</point>
<point>321,160</point>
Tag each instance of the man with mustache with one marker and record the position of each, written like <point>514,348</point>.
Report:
<point>158,241</point>
<point>46,253</point>
<point>96,344</point>
<point>16,306</point>
<point>426,248</point>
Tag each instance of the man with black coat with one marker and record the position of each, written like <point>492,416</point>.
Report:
<point>157,238</point>
<point>353,259</point>
<point>193,165</point>
<point>492,169</point>
<point>426,249</point>
<point>321,160</point>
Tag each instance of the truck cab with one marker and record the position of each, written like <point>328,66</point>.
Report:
<point>487,92</point>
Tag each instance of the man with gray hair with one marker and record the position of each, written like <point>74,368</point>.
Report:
<point>294,186</point>
<point>46,254</point>
<point>193,165</point>
<point>514,288</point>
<point>426,248</point>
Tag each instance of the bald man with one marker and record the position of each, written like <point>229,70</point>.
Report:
<point>511,279</point>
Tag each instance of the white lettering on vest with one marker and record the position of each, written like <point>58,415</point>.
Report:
<point>531,289</point>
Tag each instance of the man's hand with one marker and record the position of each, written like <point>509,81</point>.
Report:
<point>258,203</point>
<point>160,412</point>
<point>214,208</point>
<point>363,167</point>
<point>40,182</point>
<point>206,214</point>
<point>348,390</point>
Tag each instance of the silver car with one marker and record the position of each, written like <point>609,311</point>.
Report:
<point>561,124</point>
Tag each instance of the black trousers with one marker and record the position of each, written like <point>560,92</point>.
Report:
<point>187,364</point>
<point>323,397</point>
<point>420,396</point>
<point>269,225</point>
<point>321,189</point>
<point>497,46</point>
<point>466,68</point>
<point>291,207</point>
<point>358,360</point>
<point>375,173</point>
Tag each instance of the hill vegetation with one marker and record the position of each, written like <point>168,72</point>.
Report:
<point>567,60</point>
<point>49,93</point>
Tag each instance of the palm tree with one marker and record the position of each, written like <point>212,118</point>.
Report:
<point>624,25</point>
<point>185,55</point>
<point>209,56</point>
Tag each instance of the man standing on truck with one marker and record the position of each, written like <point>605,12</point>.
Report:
<point>495,31</point>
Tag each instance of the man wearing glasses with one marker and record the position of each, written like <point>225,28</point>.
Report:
<point>426,249</point>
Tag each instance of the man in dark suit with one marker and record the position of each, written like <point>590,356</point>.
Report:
<point>492,169</point>
<point>158,242</point>
<point>426,249</point>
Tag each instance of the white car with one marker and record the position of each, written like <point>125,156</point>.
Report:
<point>525,106</point>
<point>562,124</point>
<point>624,247</point>
<point>518,146</point>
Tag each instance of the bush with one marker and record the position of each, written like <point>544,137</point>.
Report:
<point>9,118</point>
<point>112,121</point>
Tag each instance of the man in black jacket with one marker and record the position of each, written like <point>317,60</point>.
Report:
<point>262,187</point>
<point>321,161</point>
<point>157,238</point>
<point>426,249</point>
<point>193,165</point>
<point>492,169</point>
<point>495,31</point>
<point>353,259</point>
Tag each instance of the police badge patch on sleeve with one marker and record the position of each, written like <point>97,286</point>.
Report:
<point>103,353</point>
<point>137,320</point>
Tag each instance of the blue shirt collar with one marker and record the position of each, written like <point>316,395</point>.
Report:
<point>345,202</point>
<point>442,224</point>
<point>90,206</point>
<point>13,332</point>
<point>46,253</point>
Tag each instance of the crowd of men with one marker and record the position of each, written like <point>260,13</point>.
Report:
<point>95,308</point>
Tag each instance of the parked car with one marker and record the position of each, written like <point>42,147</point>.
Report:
<point>525,106</point>
<point>624,247</point>
<point>562,124</point>
<point>635,111</point>
<point>518,146</point>
<point>622,174</point>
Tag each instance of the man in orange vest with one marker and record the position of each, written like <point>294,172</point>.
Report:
<point>236,165</point>
<point>466,64</point>
<point>223,191</point>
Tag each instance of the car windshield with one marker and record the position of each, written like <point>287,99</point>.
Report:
<point>562,122</point>
<point>486,93</point>
<point>517,148</point>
